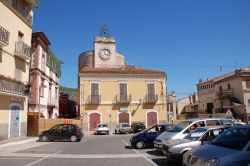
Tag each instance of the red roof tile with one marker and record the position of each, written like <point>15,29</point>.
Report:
<point>123,70</point>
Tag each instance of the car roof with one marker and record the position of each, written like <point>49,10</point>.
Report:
<point>242,126</point>
<point>215,127</point>
<point>198,119</point>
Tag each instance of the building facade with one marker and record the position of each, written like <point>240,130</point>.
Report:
<point>112,92</point>
<point>229,92</point>
<point>184,107</point>
<point>15,54</point>
<point>44,78</point>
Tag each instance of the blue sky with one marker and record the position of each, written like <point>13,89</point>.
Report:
<point>188,39</point>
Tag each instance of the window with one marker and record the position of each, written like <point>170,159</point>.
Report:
<point>248,84</point>
<point>95,92</point>
<point>56,91</point>
<point>228,86</point>
<point>151,91</point>
<point>123,91</point>
<point>212,122</point>
<point>42,87</point>
<point>20,36</point>
<point>220,88</point>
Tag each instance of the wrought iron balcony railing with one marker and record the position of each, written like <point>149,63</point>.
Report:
<point>123,98</point>
<point>12,86</point>
<point>22,10</point>
<point>4,36</point>
<point>22,50</point>
<point>225,93</point>
<point>93,99</point>
<point>150,98</point>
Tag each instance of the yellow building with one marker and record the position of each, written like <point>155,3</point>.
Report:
<point>15,54</point>
<point>112,92</point>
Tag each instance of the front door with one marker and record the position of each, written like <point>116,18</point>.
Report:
<point>124,117</point>
<point>14,121</point>
<point>151,119</point>
<point>94,120</point>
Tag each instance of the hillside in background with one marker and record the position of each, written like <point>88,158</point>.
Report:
<point>70,91</point>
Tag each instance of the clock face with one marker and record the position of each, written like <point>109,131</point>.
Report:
<point>104,53</point>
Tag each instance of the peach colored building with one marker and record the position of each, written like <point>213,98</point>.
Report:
<point>44,78</point>
<point>227,92</point>
<point>111,92</point>
<point>15,54</point>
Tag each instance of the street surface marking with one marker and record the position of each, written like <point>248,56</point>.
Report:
<point>36,161</point>
<point>143,155</point>
<point>17,158</point>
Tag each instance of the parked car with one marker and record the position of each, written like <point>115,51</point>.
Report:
<point>146,137</point>
<point>69,132</point>
<point>174,149</point>
<point>123,128</point>
<point>231,147</point>
<point>185,127</point>
<point>102,129</point>
<point>137,127</point>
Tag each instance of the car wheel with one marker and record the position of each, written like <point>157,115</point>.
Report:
<point>140,145</point>
<point>45,138</point>
<point>73,138</point>
<point>182,163</point>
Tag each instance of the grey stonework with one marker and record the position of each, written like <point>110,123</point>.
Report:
<point>4,131</point>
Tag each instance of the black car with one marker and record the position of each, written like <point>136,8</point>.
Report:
<point>138,126</point>
<point>70,132</point>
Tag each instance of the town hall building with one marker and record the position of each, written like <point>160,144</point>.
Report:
<point>112,92</point>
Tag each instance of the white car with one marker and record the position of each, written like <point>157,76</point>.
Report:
<point>102,129</point>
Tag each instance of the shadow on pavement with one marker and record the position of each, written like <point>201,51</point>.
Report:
<point>155,152</point>
<point>164,162</point>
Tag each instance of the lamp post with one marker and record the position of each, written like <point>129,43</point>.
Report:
<point>39,106</point>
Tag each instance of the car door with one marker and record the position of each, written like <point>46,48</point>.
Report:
<point>53,132</point>
<point>150,135</point>
<point>58,133</point>
<point>65,132</point>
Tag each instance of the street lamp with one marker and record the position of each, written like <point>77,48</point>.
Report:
<point>39,106</point>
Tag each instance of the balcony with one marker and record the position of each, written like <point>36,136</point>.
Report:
<point>52,102</point>
<point>93,99</point>
<point>8,85</point>
<point>4,37</point>
<point>224,94</point>
<point>22,50</point>
<point>150,99</point>
<point>20,10</point>
<point>123,99</point>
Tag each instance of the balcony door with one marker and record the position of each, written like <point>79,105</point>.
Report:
<point>150,92</point>
<point>123,92</point>
<point>94,92</point>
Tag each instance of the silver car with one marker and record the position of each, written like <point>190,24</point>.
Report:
<point>231,148</point>
<point>123,128</point>
<point>174,149</point>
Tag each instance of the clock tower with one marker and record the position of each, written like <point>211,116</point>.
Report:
<point>105,54</point>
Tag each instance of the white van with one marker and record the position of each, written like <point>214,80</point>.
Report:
<point>185,127</point>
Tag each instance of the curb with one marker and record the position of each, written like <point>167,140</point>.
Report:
<point>19,142</point>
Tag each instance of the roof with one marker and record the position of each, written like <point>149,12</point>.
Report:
<point>42,36</point>
<point>122,70</point>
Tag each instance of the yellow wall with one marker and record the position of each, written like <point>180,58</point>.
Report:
<point>13,24</point>
<point>108,89</point>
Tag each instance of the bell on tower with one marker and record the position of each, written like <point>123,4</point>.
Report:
<point>104,31</point>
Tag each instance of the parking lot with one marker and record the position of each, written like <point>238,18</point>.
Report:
<point>96,150</point>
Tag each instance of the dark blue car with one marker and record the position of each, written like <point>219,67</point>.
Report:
<point>146,137</point>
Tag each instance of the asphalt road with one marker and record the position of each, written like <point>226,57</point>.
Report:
<point>98,150</point>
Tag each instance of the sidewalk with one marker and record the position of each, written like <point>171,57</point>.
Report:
<point>17,141</point>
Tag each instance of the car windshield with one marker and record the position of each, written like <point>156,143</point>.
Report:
<point>180,126</point>
<point>234,138</point>
<point>196,134</point>
<point>125,125</point>
<point>102,125</point>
